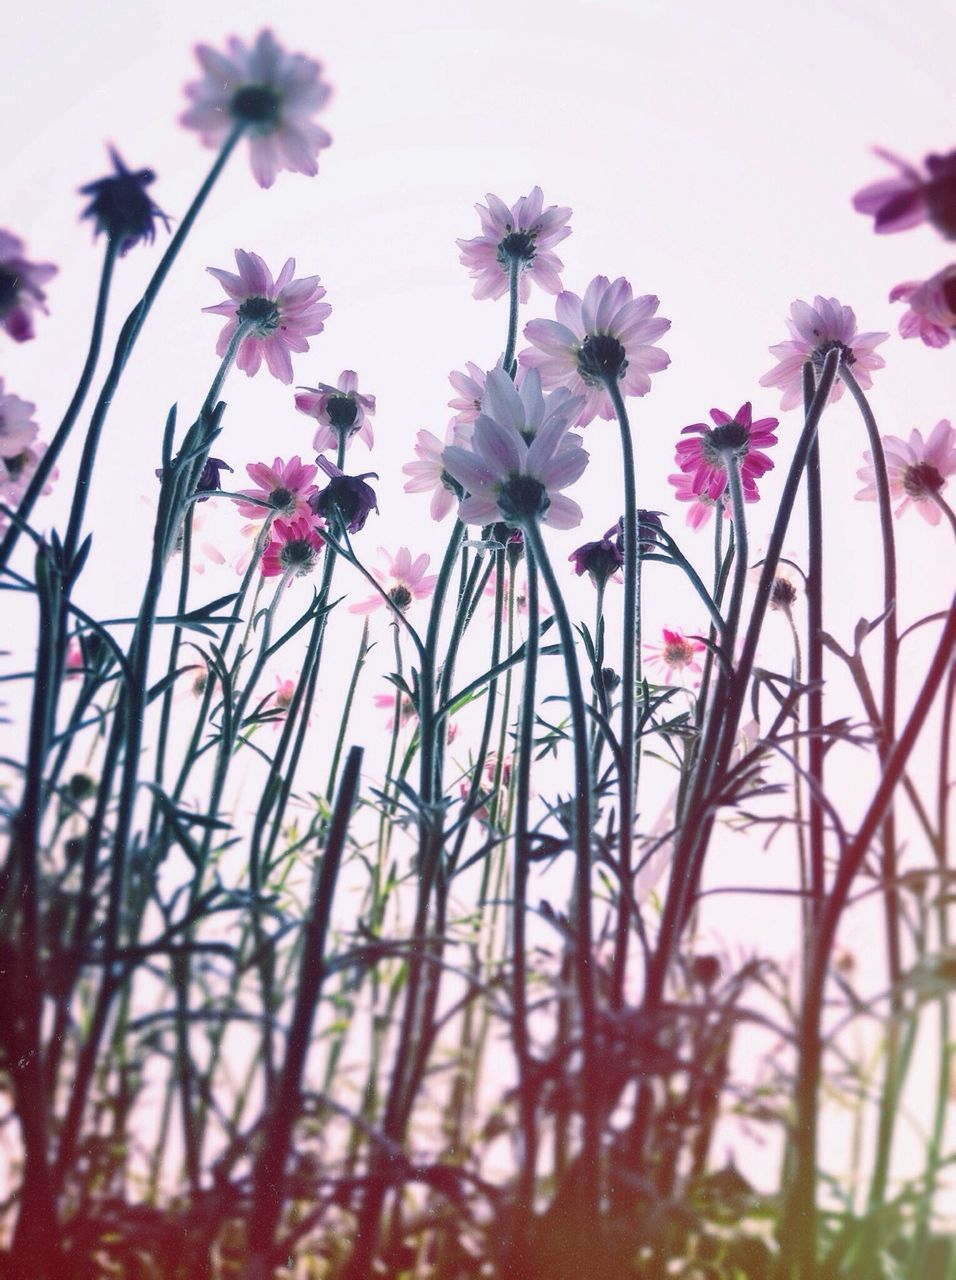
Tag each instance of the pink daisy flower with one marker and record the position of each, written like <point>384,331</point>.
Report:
<point>17,471</point>
<point>17,428</point>
<point>403,581</point>
<point>675,656</point>
<point>526,233</point>
<point>470,387</point>
<point>704,459</point>
<point>701,504</point>
<point>337,409</point>
<point>279,701</point>
<point>285,486</point>
<point>912,197</point>
<point>294,545</point>
<point>272,94</point>
<point>931,314</point>
<point>813,332</point>
<point>916,469</point>
<point>608,333</point>
<point>283,313</point>
<point>428,474</point>
<point>20,287</point>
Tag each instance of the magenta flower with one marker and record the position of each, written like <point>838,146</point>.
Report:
<point>294,548</point>
<point>17,428</point>
<point>705,458</point>
<point>272,94</point>
<point>524,234</point>
<point>520,457</point>
<point>337,409</point>
<point>17,470</point>
<point>916,470</point>
<point>428,474</point>
<point>677,654</point>
<point>932,307</point>
<point>285,487</point>
<point>281,313</point>
<point>607,334</point>
<point>470,387</point>
<point>814,331</point>
<point>403,581</point>
<point>20,291</point>
<point>701,503</point>
<point>912,197</point>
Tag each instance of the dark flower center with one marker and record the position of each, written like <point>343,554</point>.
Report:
<point>262,313</point>
<point>452,485</point>
<point>400,596</point>
<point>783,595</point>
<point>342,411</point>
<point>729,438</point>
<point>517,246</point>
<point>298,555</point>
<point>829,344</point>
<point>15,465</point>
<point>282,500</point>
<point>921,480</point>
<point>600,357</point>
<point>257,105</point>
<point>9,289</point>
<point>522,498</point>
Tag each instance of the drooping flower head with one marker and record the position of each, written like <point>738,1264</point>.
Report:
<point>815,331</point>
<point>294,548</point>
<point>281,313</point>
<point>704,459</point>
<point>601,560</point>
<point>339,410</point>
<point>210,478</point>
<point>403,580</point>
<point>345,498</point>
<point>524,235</point>
<point>20,288</point>
<point>912,197</point>
<point>121,207</point>
<point>701,503</point>
<point>609,334</point>
<point>271,94</point>
<point>677,654</point>
<point>428,474</point>
<point>285,487</point>
<point>916,469</point>
<point>931,314</point>
<point>17,428</point>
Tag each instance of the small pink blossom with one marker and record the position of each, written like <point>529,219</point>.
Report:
<point>279,701</point>
<point>470,387</point>
<point>703,459</point>
<point>294,548</point>
<point>525,234</point>
<point>911,198</point>
<point>931,314</point>
<point>814,331</point>
<point>701,504</point>
<point>403,581</point>
<point>282,313</point>
<point>916,470</point>
<point>428,474</point>
<point>17,428</point>
<point>337,409</point>
<point>677,654</point>
<point>606,334</point>
<point>386,702</point>
<point>272,94</point>
<point>20,288</point>
<point>285,486</point>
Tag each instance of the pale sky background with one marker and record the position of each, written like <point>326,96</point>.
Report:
<point>709,153</point>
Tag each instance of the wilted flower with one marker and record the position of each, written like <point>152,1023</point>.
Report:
<point>815,331</point>
<point>705,459</point>
<point>121,207</point>
<point>285,486</point>
<point>340,409</point>
<point>428,474</point>
<point>293,548</point>
<point>523,234</point>
<point>346,498</point>
<point>17,428</point>
<point>677,654</point>
<point>916,470</point>
<point>20,291</point>
<point>931,314</point>
<point>281,313</point>
<point>210,478</point>
<point>911,197</point>
<point>601,559</point>
<point>607,334</point>
<point>271,94</point>
<point>403,581</point>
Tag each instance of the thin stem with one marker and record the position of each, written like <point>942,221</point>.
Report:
<point>507,360</point>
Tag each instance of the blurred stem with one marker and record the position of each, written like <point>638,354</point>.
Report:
<point>815,745</point>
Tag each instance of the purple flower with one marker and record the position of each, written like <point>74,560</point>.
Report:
<point>912,197</point>
<point>523,234</point>
<point>931,314</point>
<point>121,207</point>
<point>600,560</point>
<point>704,458</point>
<point>345,498</point>
<point>17,428</point>
<point>814,331</point>
<point>210,478</point>
<point>20,291</point>
<point>337,409</point>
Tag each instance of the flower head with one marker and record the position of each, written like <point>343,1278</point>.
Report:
<point>285,487</point>
<point>20,291</point>
<point>471,388</point>
<point>17,470</point>
<point>701,504</point>
<point>609,334</point>
<point>428,474</point>
<point>677,654</point>
<point>17,427</point>
<point>524,235</point>
<point>704,459</point>
<point>293,548</point>
<point>345,498</point>
<point>280,314</point>
<point>815,331</point>
<point>601,560</point>
<point>916,470</point>
<point>121,207</point>
<point>403,580</point>
<point>339,410</point>
<point>210,478</point>
<point>912,197</point>
<point>931,314</point>
<point>271,94</point>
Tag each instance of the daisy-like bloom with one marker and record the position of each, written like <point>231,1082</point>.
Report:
<point>347,498</point>
<point>520,457</point>
<point>704,459</point>
<point>470,386</point>
<point>121,207</point>
<point>285,486</point>
<point>17,428</point>
<point>916,469</point>
<point>294,545</point>
<point>912,197</point>
<point>931,314</point>
<point>606,334</point>
<point>272,94</point>
<point>403,581</point>
<point>281,313</point>
<point>428,474</point>
<point>20,288</point>
<point>814,331</point>
<point>17,471</point>
<point>677,654</point>
<point>337,409</point>
<point>525,234</point>
<point>701,504</point>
